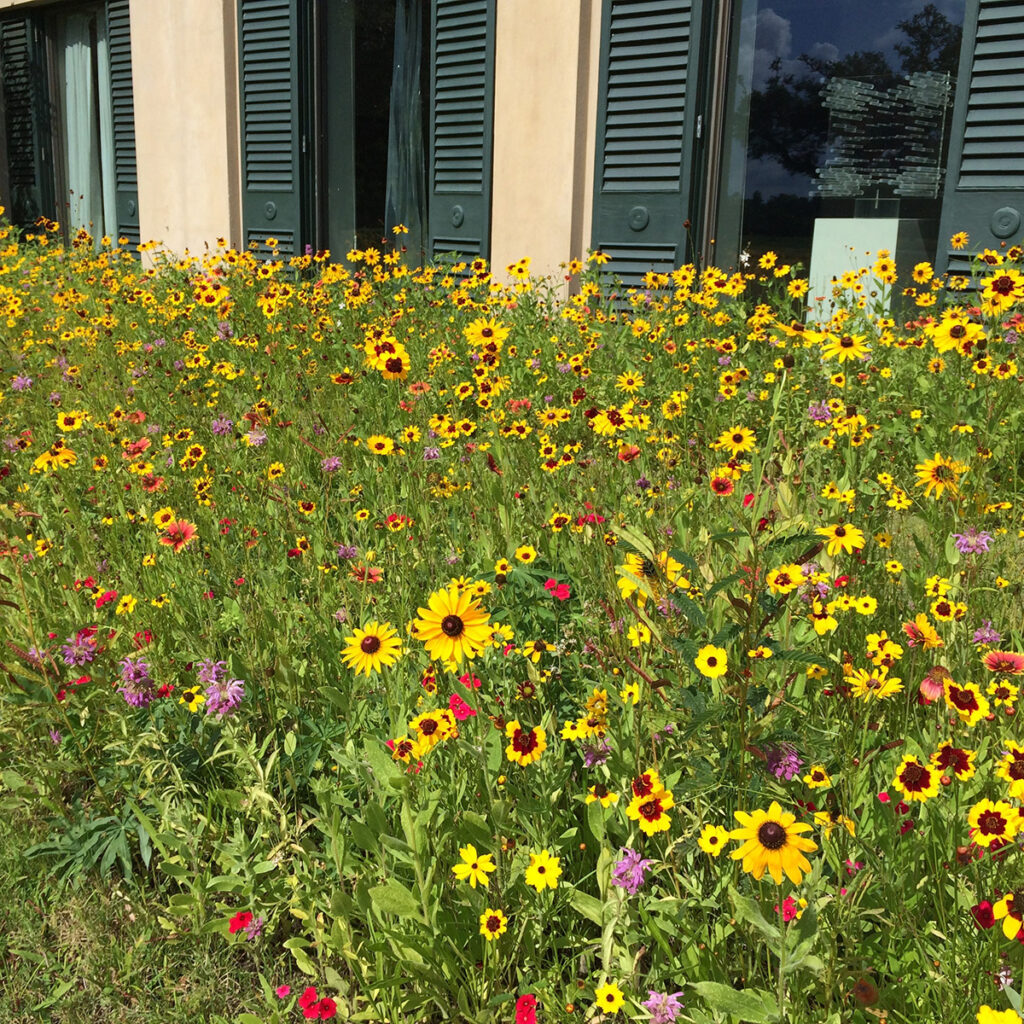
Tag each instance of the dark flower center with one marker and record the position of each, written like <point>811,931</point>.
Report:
<point>771,835</point>
<point>991,823</point>
<point>648,568</point>
<point>428,727</point>
<point>370,644</point>
<point>915,777</point>
<point>451,625</point>
<point>1016,768</point>
<point>524,742</point>
<point>651,809</point>
<point>964,700</point>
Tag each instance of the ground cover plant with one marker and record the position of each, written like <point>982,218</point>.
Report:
<point>396,644</point>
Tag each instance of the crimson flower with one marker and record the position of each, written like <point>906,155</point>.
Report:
<point>240,921</point>
<point>983,915</point>
<point>526,1009</point>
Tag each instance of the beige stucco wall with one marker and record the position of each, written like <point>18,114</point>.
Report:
<point>545,92</point>
<point>186,121</point>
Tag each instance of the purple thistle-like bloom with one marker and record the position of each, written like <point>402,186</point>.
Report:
<point>209,671</point>
<point>595,754</point>
<point>224,330</point>
<point>137,687</point>
<point>630,869</point>
<point>973,542</point>
<point>331,463</point>
<point>78,650</point>
<point>54,398</point>
<point>663,1007</point>
<point>21,383</point>
<point>224,696</point>
<point>986,634</point>
<point>256,436</point>
<point>222,425</point>
<point>347,551</point>
<point>820,412</point>
<point>783,761</point>
<point>55,737</point>
<point>429,454</point>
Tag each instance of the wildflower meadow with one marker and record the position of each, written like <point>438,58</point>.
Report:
<point>402,644</point>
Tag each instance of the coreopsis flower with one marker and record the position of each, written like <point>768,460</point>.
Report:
<point>817,777</point>
<point>1010,910</point>
<point>916,781</point>
<point>474,867</point>
<point>711,662</point>
<point>954,761</point>
<point>650,810</point>
<point>1010,768</point>
<point>772,842</point>
<point>525,745</point>
<point>966,700</point>
<point>609,998</point>
<point>544,871</point>
<point>993,822</point>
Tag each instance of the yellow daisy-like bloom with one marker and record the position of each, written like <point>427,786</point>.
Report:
<point>609,997</point>
<point>959,240</point>
<point>841,537</point>
<point>525,745</point>
<point>1010,768</point>
<point>966,700</point>
<point>492,924</point>
<point>650,811</point>
<point>916,781</point>
<point>482,332</point>
<point>817,777</point>
<point>474,867</point>
<point>453,627</point>
<point>371,648</point>
<point>938,474</point>
<point>986,1015</point>
<point>712,839</point>
<point>736,440</point>
<point>844,347</point>
<point>1010,910</point>
<point>193,698</point>
<point>874,684</point>
<point>711,662</point>
<point>544,871</point>
<point>772,842</point>
<point>656,573</point>
<point>526,554</point>
<point>784,579</point>
<point>600,792</point>
<point>993,821</point>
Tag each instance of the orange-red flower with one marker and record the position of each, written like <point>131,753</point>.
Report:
<point>179,534</point>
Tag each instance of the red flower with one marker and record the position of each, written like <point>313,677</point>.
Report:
<point>526,1009</point>
<point>556,589</point>
<point>308,998</point>
<point>106,597</point>
<point>326,1008</point>
<point>240,921</point>
<point>459,708</point>
<point>983,916</point>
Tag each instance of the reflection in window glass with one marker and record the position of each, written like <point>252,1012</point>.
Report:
<point>836,108</point>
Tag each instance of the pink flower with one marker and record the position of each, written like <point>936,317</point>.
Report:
<point>470,681</point>
<point>459,708</point>
<point>748,500</point>
<point>556,589</point>
<point>526,1009</point>
<point>1008,663</point>
<point>283,991</point>
<point>884,798</point>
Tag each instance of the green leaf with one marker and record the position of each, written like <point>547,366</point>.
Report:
<point>952,551</point>
<point>752,1005</point>
<point>590,908</point>
<point>595,820</point>
<point>290,743</point>
<point>749,910</point>
<point>393,898</point>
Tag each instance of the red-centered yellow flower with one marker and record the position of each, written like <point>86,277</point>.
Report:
<point>1011,768</point>
<point>453,627</point>
<point>474,867</point>
<point>954,761</point>
<point>492,924</point>
<point>916,781</point>
<point>525,745</point>
<point>784,579</point>
<point>1010,910</point>
<point>993,822</point>
<point>939,474</point>
<point>841,537</point>
<point>817,777</point>
<point>772,842</point>
<point>966,700</point>
<point>650,812</point>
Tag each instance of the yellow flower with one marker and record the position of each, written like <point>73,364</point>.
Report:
<point>474,867</point>
<point>938,474</point>
<point>492,924</point>
<point>372,648</point>
<point>817,777</point>
<point>986,1015</point>
<point>772,843</point>
<point>711,661</point>
<point>630,693</point>
<point>544,871</point>
<point>526,554</point>
<point>599,791</point>
<point>525,745</point>
<point>712,839</point>
<point>126,605</point>
<point>453,626</point>
<point>609,997</point>
<point>650,810</point>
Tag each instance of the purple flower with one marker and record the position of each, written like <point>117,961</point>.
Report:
<point>21,383</point>
<point>330,464</point>
<point>224,330</point>
<point>255,926</point>
<point>629,872</point>
<point>429,454</point>
<point>663,1007</point>
<point>595,753</point>
<point>224,696</point>
<point>209,671</point>
<point>54,398</point>
<point>820,413</point>
<point>986,634</point>
<point>55,737</point>
<point>78,650</point>
<point>347,551</point>
<point>643,483</point>
<point>222,425</point>
<point>973,542</point>
<point>137,686</point>
<point>783,761</point>
<point>256,436</point>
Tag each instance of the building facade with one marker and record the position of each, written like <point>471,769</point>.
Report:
<point>659,131</point>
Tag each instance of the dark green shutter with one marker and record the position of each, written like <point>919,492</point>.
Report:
<point>271,127</point>
<point>647,133</point>
<point>126,179</point>
<point>27,115</point>
<point>461,134</point>
<point>984,193</point>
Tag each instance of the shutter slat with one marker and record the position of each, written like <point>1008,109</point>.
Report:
<point>126,179</point>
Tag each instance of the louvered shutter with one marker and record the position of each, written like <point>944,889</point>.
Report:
<point>271,132</point>
<point>27,116</point>
<point>461,108</point>
<point>126,180</point>
<point>647,133</point>
<point>984,193</point>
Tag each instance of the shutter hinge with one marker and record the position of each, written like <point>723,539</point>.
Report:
<point>700,125</point>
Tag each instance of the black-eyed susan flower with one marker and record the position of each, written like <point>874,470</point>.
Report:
<point>599,792</point>
<point>193,698</point>
<point>608,998</point>
<point>772,842</point>
<point>453,626</point>
<point>371,648</point>
<point>940,474</point>
<point>841,537</point>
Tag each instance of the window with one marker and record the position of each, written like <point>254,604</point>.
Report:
<point>68,119</point>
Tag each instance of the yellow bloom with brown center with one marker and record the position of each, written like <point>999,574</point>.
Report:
<point>371,648</point>
<point>772,842</point>
<point>938,474</point>
<point>453,626</point>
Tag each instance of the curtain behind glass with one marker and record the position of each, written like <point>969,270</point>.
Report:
<point>80,129</point>
<point>106,138</point>
<point>405,201</point>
